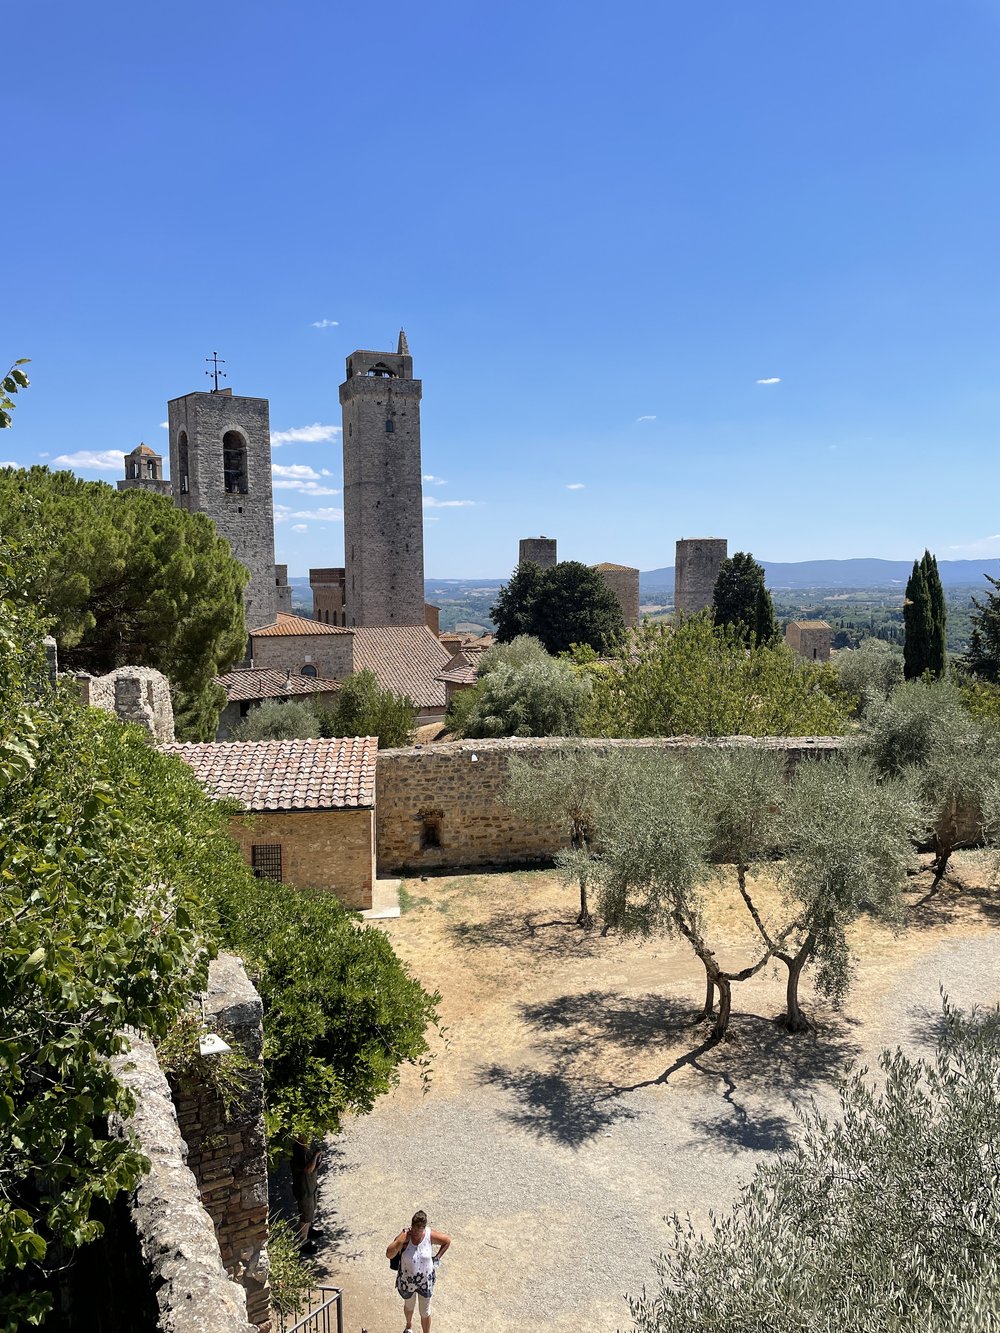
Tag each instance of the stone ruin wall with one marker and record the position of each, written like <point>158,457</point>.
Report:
<point>440,807</point>
<point>134,694</point>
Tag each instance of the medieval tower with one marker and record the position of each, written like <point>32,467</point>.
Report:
<point>220,465</point>
<point>383,494</point>
<point>144,471</point>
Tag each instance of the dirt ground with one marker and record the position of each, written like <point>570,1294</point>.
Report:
<point>575,1104</point>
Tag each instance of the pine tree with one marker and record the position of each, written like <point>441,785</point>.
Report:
<point>741,599</point>
<point>937,648</point>
<point>917,623</point>
<point>983,655</point>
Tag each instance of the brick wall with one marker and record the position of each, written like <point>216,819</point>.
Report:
<point>320,849</point>
<point>440,806</point>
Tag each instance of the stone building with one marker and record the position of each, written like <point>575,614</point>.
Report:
<point>328,595</point>
<point>623,581</point>
<point>811,639</point>
<point>311,805</point>
<point>144,471</point>
<point>539,551</point>
<point>220,465</point>
<point>246,690</point>
<point>302,647</point>
<point>383,489</point>
<point>696,568</point>
<point>282,590</point>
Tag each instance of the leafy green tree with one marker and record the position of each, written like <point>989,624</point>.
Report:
<point>741,600</point>
<point>279,720</point>
<point>847,841</point>
<point>564,605</point>
<point>937,643</point>
<point>569,786</point>
<point>918,623</point>
<point>363,708</point>
<point>884,1219</point>
<point>926,733</point>
<point>14,380</point>
<point>541,698</point>
<point>128,578</point>
<point>696,679</point>
<point>983,655</point>
<point>870,673</point>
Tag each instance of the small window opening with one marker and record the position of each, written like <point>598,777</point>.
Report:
<point>265,860</point>
<point>182,461</point>
<point>308,670</point>
<point>234,462</point>
<point>430,830</point>
<point>389,425</point>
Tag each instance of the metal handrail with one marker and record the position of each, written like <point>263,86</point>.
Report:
<point>326,1302</point>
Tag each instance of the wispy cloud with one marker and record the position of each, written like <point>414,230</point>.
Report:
<point>303,487</point>
<point>324,323</point>
<point>11,463</point>
<point>434,481</point>
<point>314,434</point>
<point>94,460</point>
<point>774,379</point>
<point>987,547</point>
<point>43,455</point>
<point>294,471</point>
<point>299,477</point>
<point>164,425</point>
<point>646,418</point>
<point>432,502</point>
<point>300,527</point>
<point>283,513</point>
<point>576,486</point>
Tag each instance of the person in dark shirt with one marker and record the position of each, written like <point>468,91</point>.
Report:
<point>307,1155</point>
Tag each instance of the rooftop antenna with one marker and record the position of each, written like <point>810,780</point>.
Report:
<point>215,372</point>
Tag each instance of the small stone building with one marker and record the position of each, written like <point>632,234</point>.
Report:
<point>311,808</point>
<point>304,647</point>
<point>810,638</point>
<point>246,689</point>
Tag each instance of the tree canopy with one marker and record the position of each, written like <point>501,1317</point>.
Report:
<point>566,604</point>
<point>128,578</point>
<point>522,691</point>
<point>924,621</point>
<point>741,599</point>
<point>983,655</point>
<point>364,708</point>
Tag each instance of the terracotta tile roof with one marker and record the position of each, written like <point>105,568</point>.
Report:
<point>404,658</point>
<point>458,673</point>
<point>243,686</point>
<point>810,624</point>
<point>336,774</point>
<point>289,624</point>
<point>626,569</point>
<point>143,449</point>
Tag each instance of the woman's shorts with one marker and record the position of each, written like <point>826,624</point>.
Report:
<point>425,1303</point>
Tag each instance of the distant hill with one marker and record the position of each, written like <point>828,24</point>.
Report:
<point>858,573</point>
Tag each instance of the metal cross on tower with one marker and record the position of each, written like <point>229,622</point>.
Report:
<point>215,372</point>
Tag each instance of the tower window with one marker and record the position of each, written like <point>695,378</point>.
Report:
<point>389,425</point>
<point>234,462</point>
<point>182,461</point>
<point>381,371</point>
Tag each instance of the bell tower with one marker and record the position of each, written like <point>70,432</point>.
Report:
<point>383,491</point>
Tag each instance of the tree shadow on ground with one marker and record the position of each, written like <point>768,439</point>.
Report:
<point>568,1099</point>
<point>552,937</point>
<point>955,900</point>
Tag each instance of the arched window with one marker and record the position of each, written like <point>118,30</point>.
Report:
<point>151,470</point>
<point>308,670</point>
<point>234,462</point>
<point>381,371</point>
<point>182,462</point>
<point>390,425</point>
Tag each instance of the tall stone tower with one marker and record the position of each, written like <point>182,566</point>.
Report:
<point>383,493</point>
<point>538,550</point>
<point>220,465</point>
<point>144,471</point>
<point>696,567</point>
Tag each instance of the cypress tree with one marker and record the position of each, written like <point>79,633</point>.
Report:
<point>937,649</point>
<point>917,624</point>
<point>741,599</point>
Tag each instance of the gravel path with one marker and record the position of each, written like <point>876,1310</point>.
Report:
<point>575,1106</point>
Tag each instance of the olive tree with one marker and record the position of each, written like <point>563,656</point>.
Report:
<point>886,1218</point>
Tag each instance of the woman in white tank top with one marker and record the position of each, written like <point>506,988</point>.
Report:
<point>414,1247</point>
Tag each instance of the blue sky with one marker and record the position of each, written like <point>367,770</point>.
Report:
<point>666,270</point>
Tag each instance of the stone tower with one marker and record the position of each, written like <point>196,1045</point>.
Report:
<point>144,471</point>
<point>696,567</point>
<point>623,581</point>
<point>539,551</point>
<point>383,492</point>
<point>220,465</point>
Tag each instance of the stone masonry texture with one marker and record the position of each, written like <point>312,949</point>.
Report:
<point>623,581</point>
<point>696,567</point>
<point>383,491</point>
<point>320,849</point>
<point>441,806</point>
<point>538,550</point>
<point>246,520</point>
<point>134,694</point>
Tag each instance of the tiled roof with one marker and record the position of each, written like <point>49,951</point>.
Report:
<point>242,686</point>
<point>144,449</point>
<point>458,673</point>
<point>810,624</point>
<point>336,774</point>
<point>289,624</point>
<point>626,569</point>
<point>404,658</point>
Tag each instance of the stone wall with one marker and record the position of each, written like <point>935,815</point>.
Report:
<point>134,694</point>
<point>439,806</point>
<point>539,551</point>
<point>623,581</point>
<point>331,654</point>
<point>227,1152</point>
<point>697,562</point>
<point>181,1285</point>
<point>320,849</point>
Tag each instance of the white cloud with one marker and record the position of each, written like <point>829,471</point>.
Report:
<point>646,418</point>
<point>294,471</point>
<point>431,502</point>
<point>95,460</point>
<point>282,513</point>
<point>575,486</point>
<point>775,379</point>
<point>300,527</point>
<point>11,463</point>
<point>324,323</point>
<point>43,455</point>
<point>325,472</point>
<point>314,434</point>
<point>299,477</point>
<point>164,425</point>
<point>981,546</point>
<point>305,487</point>
<point>434,481</point>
